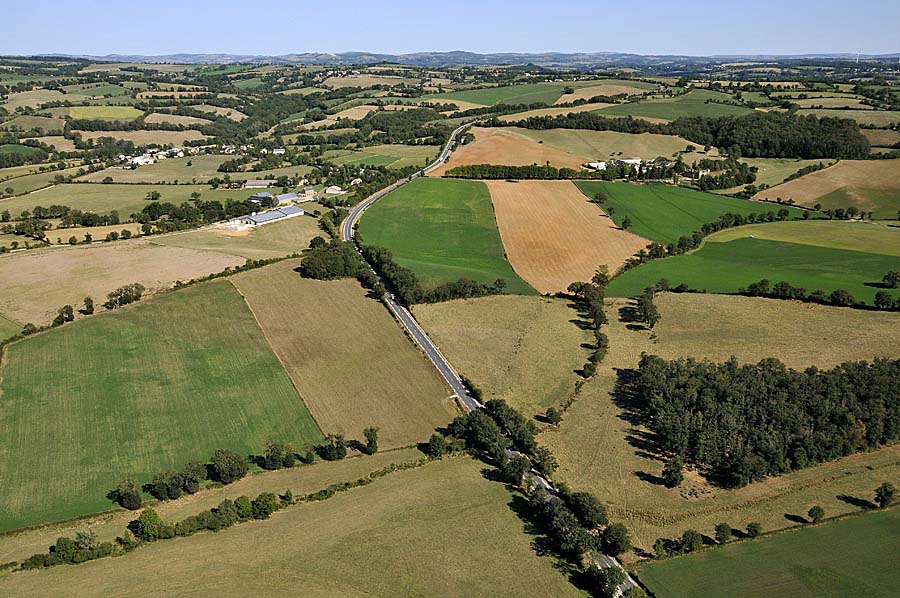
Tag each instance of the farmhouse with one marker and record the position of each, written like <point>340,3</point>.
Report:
<point>257,184</point>
<point>307,194</point>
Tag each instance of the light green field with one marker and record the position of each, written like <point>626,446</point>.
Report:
<point>97,197</point>
<point>247,83</point>
<point>15,148</point>
<point>692,103</point>
<point>104,112</point>
<point>442,229</point>
<point>203,167</point>
<point>439,530</point>
<point>728,266</point>
<point>664,213</point>
<point>8,328</point>
<point>134,392</point>
<point>27,184</point>
<point>395,156</point>
<point>837,234</point>
<point>95,89</point>
<point>851,557</point>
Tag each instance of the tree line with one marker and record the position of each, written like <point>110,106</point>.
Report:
<point>745,422</point>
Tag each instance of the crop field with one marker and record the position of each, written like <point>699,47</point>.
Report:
<point>364,81</point>
<point>554,111</point>
<point>601,452</point>
<point>231,113</point>
<point>553,236</point>
<point>530,93</point>
<point>610,87</point>
<point>276,239</point>
<point>147,137</point>
<point>693,103</point>
<point>878,118</point>
<point>141,390</point>
<point>664,213</point>
<point>28,184</point>
<point>97,197</point>
<point>503,345</point>
<point>203,167</point>
<point>15,148</point>
<point>27,123</point>
<point>729,266</point>
<point>438,530</point>
<point>442,229</point>
<point>881,137</point>
<point>34,284</point>
<point>355,112</point>
<point>502,146</point>
<point>838,234</point>
<point>61,236</point>
<point>350,361</point>
<point>859,560</point>
<point>772,171</point>
<point>104,112</point>
<point>300,479</point>
<point>394,155</point>
<point>175,119</point>
<point>869,185</point>
<point>59,143</point>
<point>602,145</point>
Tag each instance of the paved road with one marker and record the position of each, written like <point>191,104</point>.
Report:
<point>400,312</point>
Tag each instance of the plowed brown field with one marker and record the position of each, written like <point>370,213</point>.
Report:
<point>499,146</point>
<point>554,236</point>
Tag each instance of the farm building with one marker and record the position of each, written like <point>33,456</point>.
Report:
<point>595,165</point>
<point>307,194</point>
<point>257,219</point>
<point>262,196</point>
<point>286,198</point>
<point>257,184</point>
<point>278,151</point>
<point>333,190</point>
<point>632,161</point>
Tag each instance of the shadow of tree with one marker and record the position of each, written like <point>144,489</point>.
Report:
<point>795,518</point>
<point>855,501</point>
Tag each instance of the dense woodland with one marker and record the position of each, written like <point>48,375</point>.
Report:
<point>745,422</point>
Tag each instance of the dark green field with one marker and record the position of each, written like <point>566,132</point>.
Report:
<point>135,392</point>
<point>693,103</point>
<point>726,267</point>
<point>442,229</point>
<point>852,557</point>
<point>664,213</point>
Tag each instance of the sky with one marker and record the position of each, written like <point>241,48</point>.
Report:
<point>273,27</point>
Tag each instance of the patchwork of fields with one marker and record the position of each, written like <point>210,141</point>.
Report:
<point>138,391</point>
<point>443,230</point>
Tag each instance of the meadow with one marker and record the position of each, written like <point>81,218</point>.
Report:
<point>878,118</point>
<point>27,123</point>
<point>140,390</point>
<point>608,87</point>
<point>603,451</point>
<point>525,350</point>
<point>732,265</point>
<point>147,137</point>
<point>104,112</point>
<point>438,530</point>
<point>58,142</point>
<point>868,237</point>
<point>442,229</point>
<point>553,236</point>
<point>8,328</point>
<point>348,378</point>
<point>176,119</point>
<point>231,113</point>
<point>395,156</point>
<point>693,103</point>
<point>203,167</point>
<point>664,213</point>
<point>27,184</point>
<point>868,185</point>
<point>529,93</point>
<point>772,171</point>
<point>859,561</point>
<point>537,112</point>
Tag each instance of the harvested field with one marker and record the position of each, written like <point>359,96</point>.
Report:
<point>439,530</point>
<point>554,236</point>
<point>175,119</point>
<point>881,137</point>
<point>300,479</point>
<point>134,392</point>
<point>231,113</point>
<point>612,88</point>
<point>356,112</point>
<point>276,239</point>
<point>59,143</point>
<point>34,284</point>
<point>832,102</point>
<point>61,236</point>
<point>525,350</point>
<point>364,81</point>
<point>501,146</point>
<point>869,185</point>
<point>27,123</point>
<point>350,361</point>
<point>147,137</point>
<point>859,559</point>
<point>553,111</point>
<point>600,451</point>
<point>604,145</point>
<point>203,167</point>
<point>878,118</point>
<point>35,98</point>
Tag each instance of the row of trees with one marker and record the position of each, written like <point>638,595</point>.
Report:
<point>745,422</point>
<point>838,297</point>
<point>613,171</point>
<point>589,297</point>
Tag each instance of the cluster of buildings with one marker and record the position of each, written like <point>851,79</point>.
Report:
<point>692,173</point>
<point>602,165</point>
<point>152,157</point>
<point>258,218</point>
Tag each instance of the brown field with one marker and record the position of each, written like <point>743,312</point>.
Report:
<point>175,119</point>
<point>147,137</point>
<point>553,111</point>
<point>98,233</point>
<point>599,450</point>
<point>356,112</point>
<point>499,146</point>
<point>144,95</point>
<point>554,236</point>
<point>881,137</point>
<point>60,143</point>
<point>437,530</point>
<point>27,123</point>
<point>364,81</point>
<point>34,284</point>
<point>460,104</point>
<point>604,89</point>
<point>878,118</point>
<point>349,360</point>
<point>300,479</point>
<point>525,350</point>
<point>870,185</point>
<point>602,145</point>
<point>231,113</point>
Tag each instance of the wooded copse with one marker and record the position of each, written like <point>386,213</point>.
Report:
<point>742,423</point>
